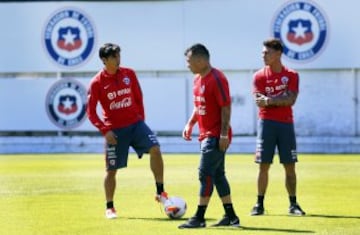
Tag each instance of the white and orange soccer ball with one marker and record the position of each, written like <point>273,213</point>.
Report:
<point>175,207</point>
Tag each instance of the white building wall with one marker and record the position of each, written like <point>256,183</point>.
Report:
<point>153,37</point>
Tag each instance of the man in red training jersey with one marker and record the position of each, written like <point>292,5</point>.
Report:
<point>275,89</point>
<point>212,111</point>
<point>118,91</point>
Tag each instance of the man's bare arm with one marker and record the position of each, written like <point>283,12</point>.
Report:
<point>225,120</point>
<point>287,98</point>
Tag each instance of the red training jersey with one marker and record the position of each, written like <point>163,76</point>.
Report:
<point>210,94</point>
<point>272,84</point>
<point>120,97</point>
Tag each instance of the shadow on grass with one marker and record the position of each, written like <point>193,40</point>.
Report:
<point>154,219</point>
<point>293,231</point>
<point>321,216</point>
<point>334,216</point>
<point>280,230</point>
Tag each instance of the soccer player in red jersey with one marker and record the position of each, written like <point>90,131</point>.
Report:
<point>275,89</point>
<point>118,91</point>
<point>212,111</point>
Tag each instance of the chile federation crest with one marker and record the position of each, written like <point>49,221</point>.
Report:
<point>303,29</point>
<point>69,37</point>
<point>66,103</point>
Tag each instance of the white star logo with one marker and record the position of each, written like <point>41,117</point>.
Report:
<point>300,30</point>
<point>67,103</point>
<point>69,38</point>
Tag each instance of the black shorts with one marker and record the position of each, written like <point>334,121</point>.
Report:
<point>274,135</point>
<point>138,136</point>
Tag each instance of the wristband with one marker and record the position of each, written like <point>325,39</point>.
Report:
<point>224,137</point>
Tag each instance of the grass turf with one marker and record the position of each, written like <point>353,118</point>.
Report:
<point>63,194</point>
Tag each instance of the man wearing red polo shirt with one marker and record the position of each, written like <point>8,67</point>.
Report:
<point>275,89</point>
<point>118,91</point>
<point>212,111</point>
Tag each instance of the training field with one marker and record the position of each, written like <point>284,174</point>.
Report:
<point>62,194</point>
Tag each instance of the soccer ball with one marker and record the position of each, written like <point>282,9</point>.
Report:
<point>175,207</point>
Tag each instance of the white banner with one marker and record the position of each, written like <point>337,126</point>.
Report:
<point>59,104</point>
<point>325,105</point>
<point>38,105</point>
<point>62,36</point>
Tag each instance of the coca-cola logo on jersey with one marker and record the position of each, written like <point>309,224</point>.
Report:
<point>126,102</point>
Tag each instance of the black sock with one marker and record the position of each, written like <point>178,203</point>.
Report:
<point>260,200</point>
<point>200,213</point>
<point>159,188</point>
<point>109,205</point>
<point>292,200</point>
<point>229,210</point>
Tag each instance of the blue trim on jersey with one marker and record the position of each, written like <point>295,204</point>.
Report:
<point>219,85</point>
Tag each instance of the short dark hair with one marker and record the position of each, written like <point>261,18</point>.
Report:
<point>108,49</point>
<point>274,43</point>
<point>198,50</point>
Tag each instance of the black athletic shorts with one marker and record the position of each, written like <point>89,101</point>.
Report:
<point>272,136</point>
<point>138,136</point>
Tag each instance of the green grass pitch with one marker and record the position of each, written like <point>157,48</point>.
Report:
<point>62,194</point>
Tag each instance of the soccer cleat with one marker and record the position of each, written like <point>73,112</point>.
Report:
<point>226,221</point>
<point>257,210</point>
<point>111,213</point>
<point>193,222</point>
<point>295,209</point>
<point>162,198</point>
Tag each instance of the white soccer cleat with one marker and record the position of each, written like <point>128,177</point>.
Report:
<point>111,213</point>
<point>162,198</point>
